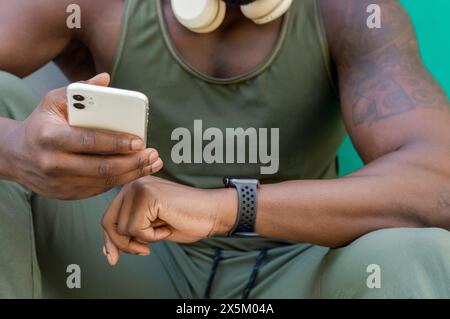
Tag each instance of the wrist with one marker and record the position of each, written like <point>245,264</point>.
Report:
<point>9,132</point>
<point>264,222</point>
<point>226,210</point>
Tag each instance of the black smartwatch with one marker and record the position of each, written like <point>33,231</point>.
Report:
<point>247,190</point>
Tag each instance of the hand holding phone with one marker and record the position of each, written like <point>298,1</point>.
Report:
<point>99,107</point>
<point>57,160</point>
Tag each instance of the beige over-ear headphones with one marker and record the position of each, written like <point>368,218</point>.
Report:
<point>203,16</point>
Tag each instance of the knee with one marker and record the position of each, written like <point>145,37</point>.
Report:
<point>408,263</point>
<point>17,100</point>
<point>8,82</point>
<point>402,249</point>
<point>409,244</point>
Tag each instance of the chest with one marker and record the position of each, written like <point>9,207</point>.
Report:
<point>237,47</point>
<point>206,128</point>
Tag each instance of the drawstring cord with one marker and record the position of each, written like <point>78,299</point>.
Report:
<point>251,281</point>
<point>212,275</point>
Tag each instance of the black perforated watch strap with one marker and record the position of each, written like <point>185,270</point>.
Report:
<point>247,190</point>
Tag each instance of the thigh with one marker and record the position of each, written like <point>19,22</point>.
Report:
<point>19,270</point>
<point>287,271</point>
<point>390,263</point>
<point>293,273</point>
<point>17,100</point>
<point>69,233</point>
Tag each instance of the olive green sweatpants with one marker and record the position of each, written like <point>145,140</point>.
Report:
<point>52,248</point>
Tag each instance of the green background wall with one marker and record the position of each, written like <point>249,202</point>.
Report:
<point>431,19</point>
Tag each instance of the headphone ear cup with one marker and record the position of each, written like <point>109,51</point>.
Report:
<point>265,11</point>
<point>216,22</point>
<point>199,16</point>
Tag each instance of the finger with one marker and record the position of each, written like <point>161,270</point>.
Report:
<point>134,175</point>
<point>152,235</point>
<point>83,187</point>
<point>158,223</point>
<point>104,167</point>
<point>128,177</point>
<point>101,79</point>
<point>140,223</point>
<point>125,227</point>
<point>125,211</point>
<point>109,219</point>
<point>123,243</point>
<point>101,185</point>
<point>128,245</point>
<point>89,141</point>
<point>157,166</point>
<point>57,98</point>
<point>111,252</point>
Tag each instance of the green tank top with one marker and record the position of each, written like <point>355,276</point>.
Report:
<point>293,91</point>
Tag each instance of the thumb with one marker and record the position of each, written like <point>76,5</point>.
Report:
<point>101,79</point>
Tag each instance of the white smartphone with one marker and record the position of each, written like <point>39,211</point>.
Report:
<point>106,108</point>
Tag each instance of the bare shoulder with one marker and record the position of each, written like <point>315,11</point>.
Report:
<point>33,32</point>
<point>37,31</point>
<point>349,25</point>
<point>93,46</point>
<point>388,97</point>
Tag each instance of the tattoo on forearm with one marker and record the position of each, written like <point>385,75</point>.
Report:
<point>386,80</point>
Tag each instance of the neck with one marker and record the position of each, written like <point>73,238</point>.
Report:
<point>233,16</point>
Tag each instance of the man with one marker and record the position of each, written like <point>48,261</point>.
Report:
<point>392,216</point>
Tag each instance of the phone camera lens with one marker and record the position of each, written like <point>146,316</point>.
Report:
<point>79,106</point>
<point>78,98</point>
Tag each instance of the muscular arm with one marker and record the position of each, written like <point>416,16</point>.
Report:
<point>43,152</point>
<point>32,34</point>
<point>397,116</point>
<point>29,40</point>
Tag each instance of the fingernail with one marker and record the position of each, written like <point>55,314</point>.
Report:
<point>143,254</point>
<point>110,259</point>
<point>104,251</point>
<point>95,77</point>
<point>156,166</point>
<point>98,76</point>
<point>153,157</point>
<point>137,144</point>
